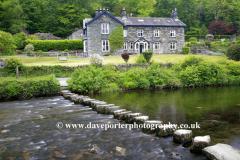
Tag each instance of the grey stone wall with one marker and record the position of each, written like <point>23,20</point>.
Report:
<point>78,34</point>
<point>164,38</point>
<point>95,36</point>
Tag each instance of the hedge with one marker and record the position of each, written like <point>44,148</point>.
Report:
<point>56,44</point>
<point>186,50</point>
<point>187,37</point>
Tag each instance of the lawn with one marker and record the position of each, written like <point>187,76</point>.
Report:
<point>50,61</point>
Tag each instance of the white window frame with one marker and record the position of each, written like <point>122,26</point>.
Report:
<point>172,33</point>
<point>131,45</point>
<point>140,33</point>
<point>125,46</point>
<point>173,46</point>
<point>157,44</point>
<point>156,33</point>
<point>105,28</point>
<point>105,46</point>
<point>85,46</point>
<point>124,33</point>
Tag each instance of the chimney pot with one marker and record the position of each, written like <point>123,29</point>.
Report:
<point>104,8</point>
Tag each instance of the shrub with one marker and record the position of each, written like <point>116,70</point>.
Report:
<point>106,54</point>
<point>33,37</point>
<point>29,48</point>
<point>66,50</point>
<point>141,59</point>
<point>233,52</point>
<point>12,64</point>
<point>96,59</point>
<point>144,84</point>
<point>7,46</point>
<point>193,39</point>
<point>19,39</point>
<point>45,50</point>
<point>47,36</point>
<point>125,57</point>
<point>234,42</point>
<point>186,50</point>
<point>147,55</point>
<point>56,44</point>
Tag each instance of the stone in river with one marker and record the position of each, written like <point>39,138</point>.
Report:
<point>4,131</point>
<point>182,136</point>
<point>95,150</point>
<point>199,143</point>
<point>174,155</point>
<point>120,151</point>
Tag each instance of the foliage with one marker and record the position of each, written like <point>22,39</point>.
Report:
<point>22,89</point>
<point>221,28</point>
<point>141,59</point>
<point>116,38</point>
<point>12,64</point>
<point>186,50</point>
<point>147,55</point>
<point>233,52</point>
<point>46,36</point>
<point>66,50</point>
<point>33,37</point>
<point>19,39</point>
<point>29,48</point>
<point>209,37</point>
<point>7,46</point>
<point>107,54</point>
<point>96,59</point>
<point>125,57</point>
<point>203,30</point>
<point>56,44</point>
<point>193,39</point>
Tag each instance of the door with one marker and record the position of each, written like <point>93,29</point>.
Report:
<point>141,47</point>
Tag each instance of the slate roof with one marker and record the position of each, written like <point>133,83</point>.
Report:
<point>144,21</point>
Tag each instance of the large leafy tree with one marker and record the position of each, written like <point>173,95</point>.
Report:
<point>221,28</point>
<point>164,8</point>
<point>116,39</point>
<point>13,19</point>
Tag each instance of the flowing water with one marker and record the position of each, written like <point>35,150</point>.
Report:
<point>34,135</point>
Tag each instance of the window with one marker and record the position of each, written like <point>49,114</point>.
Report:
<point>156,33</point>
<point>85,46</point>
<point>172,46</point>
<point>140,33</point>
<point>124,33</point>
<point>172,33</point>
<point>80,34</point>
<point>157,45</point>
<point>105,28</point>
<point>105,46</point>
<point>131,46</point>
<point>125,46</point>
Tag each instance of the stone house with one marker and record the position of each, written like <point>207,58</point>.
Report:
<point>162,35</point>
<point>77,34</point>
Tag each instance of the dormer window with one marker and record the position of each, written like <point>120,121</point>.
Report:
<point>156,33</point>
<point>140,32</point>
<point>140,20</point>
<point>105,28</point>
<point>172,33</point>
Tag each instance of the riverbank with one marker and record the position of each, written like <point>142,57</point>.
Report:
<point>12,88</point>
<point>193,71</point>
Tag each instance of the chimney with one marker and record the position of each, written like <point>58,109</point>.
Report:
<point>124,14</point>
<point>96,12</point>
<point>107,10</point>
<point>130,14</point>
<point>175,15</point>
<point>100,10</point>
<point>172,14</point>
<point>103,8</point>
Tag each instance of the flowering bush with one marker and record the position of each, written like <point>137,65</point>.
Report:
<point>209,37</point>
<point>29,48</point>
<point>47,36</point>
<point>125,57</point>
<point>96,59</point>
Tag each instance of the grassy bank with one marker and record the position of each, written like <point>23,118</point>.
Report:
<point>51,61</point>
<point>12,88</point>
<point>191,72</point>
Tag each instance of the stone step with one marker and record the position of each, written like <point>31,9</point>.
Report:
<point>97,103</point>
<point>76,100</point>
<point>164,130</point>
<point>102,108</point>
<point>140,119</point>
<point>151,125</point>
<point>129,117</point>
<point>199,143</point>
<point>122,115</point>
<point>221,152</point>
<point>86,102</point>
<point>110,110</point>
<point>118,111</point>
<point>182,136</point>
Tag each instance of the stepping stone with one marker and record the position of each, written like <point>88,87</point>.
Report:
<point>118,111</point>
<point>221,152</point>
<point>199,143</point>
<point>110,110</point>
<point>129,117</point>
<point>98,103</point>
<point>76,100</point>
<point>92,103</point>
<point>140,119</point>
<point>86,102</point>
<point>122,115</point>
<point>67,95</point>
<point>182,136</point>
<point>83,98</point>
<point>120,151</point>
<point>165,130</point>
<point>102,108</point>
<point>151,125</point>
<point>72,97</point>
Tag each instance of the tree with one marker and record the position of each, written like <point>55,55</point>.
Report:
<point>14,20</point>
<point>203,30</point>
<point>144,8</point>
<point>7,46</point>
<point>116,38</point>
<point>164,8</point>
<point>221,28</point>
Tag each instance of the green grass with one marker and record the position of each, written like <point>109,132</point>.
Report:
<point>22,79</point>
<point>51,61</point>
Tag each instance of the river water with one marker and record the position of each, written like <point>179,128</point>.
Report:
<point>34,135</point>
